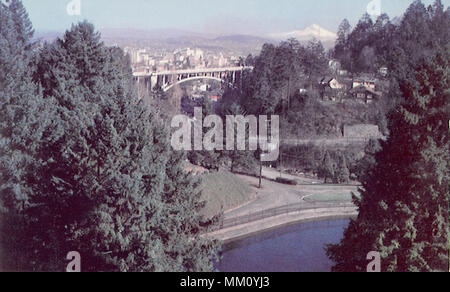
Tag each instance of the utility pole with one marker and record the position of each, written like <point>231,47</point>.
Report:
<point>260,170</point>
<point>258,155</point>
<point>289,93</point>
<point>281,163</point>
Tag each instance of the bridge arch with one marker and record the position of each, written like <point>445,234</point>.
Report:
<point>165,89</point>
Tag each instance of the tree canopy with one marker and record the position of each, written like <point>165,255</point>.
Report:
<point>403,210</point>
<point>94,171</point>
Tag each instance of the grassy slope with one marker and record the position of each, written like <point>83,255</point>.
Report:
<point>330,193</point>
<point>224,189</point>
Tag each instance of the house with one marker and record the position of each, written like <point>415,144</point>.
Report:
<point>365,94</point>
<point>341,83</point>
<point>215,98</point>
<point>334,88</point>
<point>366,81</point>
<point>335,83</point>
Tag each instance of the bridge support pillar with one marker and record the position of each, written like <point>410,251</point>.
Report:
<point>153,81</point>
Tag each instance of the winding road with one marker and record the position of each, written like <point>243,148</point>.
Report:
<point>276,195</point>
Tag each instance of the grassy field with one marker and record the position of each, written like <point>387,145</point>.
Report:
<point>329,193</point>
<point>224,189</point>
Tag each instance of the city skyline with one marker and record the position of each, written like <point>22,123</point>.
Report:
<point>255,17</point>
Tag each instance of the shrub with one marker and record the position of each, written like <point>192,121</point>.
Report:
<point>286,181</point>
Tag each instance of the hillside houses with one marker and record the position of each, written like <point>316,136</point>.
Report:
<point>362,88</point>
<point>335,82</point>
<point>364,94</point>
<point>365,81</point>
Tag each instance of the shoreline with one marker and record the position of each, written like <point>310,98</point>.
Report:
<point>240,232</point>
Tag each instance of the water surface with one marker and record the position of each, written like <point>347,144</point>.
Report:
<point>295,248</point>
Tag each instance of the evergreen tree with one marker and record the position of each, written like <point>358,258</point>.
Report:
<point>341,49</point>
<point>23,117</point>
<point>342,171</point>
<point>368,161</point>
<point>403,211</point>
<point>326,170</point>
<point>105,182</point>
<point>241,160</point>
<point>207,159</point>
<point>411,43</point>
<point>268,81</point>
<point>315,60</point>
<point>360,38</point>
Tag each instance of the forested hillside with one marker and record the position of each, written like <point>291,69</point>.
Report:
<point>85,165</point>
<point>403,209</point>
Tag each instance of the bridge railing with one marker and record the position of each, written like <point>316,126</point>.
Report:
<point>192,71</point>
<point>284,210</point>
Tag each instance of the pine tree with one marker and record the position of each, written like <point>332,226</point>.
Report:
<point>207,159</point>
<point>403,211</point>
<point>241,160</point>
<point>326,170</point>
<point>24,116</point>
<point>105,182</point>
<point>315,60</point>
<point>341,49</point>
<point>368,161</point>
<point>342,172</point>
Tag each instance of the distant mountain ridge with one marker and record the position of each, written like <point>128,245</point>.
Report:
<point>314,31</point>
<point>173,38</point>
<point>241,38</point>
<point>144,34</point>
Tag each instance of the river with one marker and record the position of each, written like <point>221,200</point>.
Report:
<point>295,248</point>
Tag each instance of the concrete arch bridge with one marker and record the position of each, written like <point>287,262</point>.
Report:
<point>168,79</point>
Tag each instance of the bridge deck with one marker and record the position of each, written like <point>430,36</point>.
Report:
<point>191,71</point>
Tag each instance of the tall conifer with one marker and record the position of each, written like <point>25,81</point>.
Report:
<point>403,211</point>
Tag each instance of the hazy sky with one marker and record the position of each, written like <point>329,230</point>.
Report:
<point>212,16</point>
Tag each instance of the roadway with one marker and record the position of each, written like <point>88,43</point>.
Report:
<point>275,195</point>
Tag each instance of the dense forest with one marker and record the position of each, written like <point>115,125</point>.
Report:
<point>85,165</point>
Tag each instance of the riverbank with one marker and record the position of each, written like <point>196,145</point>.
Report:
<point>247,230</point>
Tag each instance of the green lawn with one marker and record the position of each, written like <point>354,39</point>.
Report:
<point>224,189</point>
<point>330,194</point>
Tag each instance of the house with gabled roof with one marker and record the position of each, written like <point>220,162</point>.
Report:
<point>365,94</point>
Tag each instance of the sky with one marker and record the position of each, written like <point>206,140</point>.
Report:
<point>258,17</point>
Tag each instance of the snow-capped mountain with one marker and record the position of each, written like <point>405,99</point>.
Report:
<point>312,32</point>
